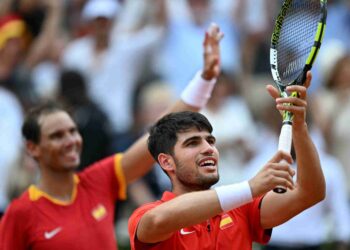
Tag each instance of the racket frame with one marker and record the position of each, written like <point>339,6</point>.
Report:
<point>285,138</point>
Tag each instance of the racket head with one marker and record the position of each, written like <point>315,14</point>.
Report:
<point>296,40</point>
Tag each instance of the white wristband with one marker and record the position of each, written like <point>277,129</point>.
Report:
<point>198,91</point>
<point>234,195</point>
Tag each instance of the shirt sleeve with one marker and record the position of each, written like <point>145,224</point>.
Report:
<point>107,176</point>
<point>133,223</point>
<point>259,234</point>
<point>12,230</point>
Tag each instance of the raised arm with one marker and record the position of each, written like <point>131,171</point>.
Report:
<point>310,184</point>
<point>137,161</point>
<point>48,38</point>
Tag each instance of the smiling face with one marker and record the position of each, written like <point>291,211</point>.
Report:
<point>60,143</point>
<point>196,160</point>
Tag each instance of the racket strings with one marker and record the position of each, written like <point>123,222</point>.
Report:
<point>297,38</point>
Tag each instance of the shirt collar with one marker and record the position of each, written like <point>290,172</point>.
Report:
<point>35,193</point>
<point>167,196</point>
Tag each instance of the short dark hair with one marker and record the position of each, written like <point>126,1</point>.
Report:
<point>163,134</point>
<point>31,127</point>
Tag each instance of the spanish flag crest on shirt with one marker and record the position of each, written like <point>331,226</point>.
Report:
<point>226,221</point>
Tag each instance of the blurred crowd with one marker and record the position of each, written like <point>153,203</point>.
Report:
<point>116,65</point>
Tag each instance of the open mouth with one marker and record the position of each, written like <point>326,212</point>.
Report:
<point>207,163</point>
<point>72,154</point>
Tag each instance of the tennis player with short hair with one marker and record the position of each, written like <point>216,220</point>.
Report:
<point>193,216</point>
<point>66,210</point>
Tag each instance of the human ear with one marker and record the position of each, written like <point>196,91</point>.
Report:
<point>32,149</point>
<point>166,162</point>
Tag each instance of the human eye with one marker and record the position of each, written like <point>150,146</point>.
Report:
<point>56,136</point>
<point>192,142</point>
<point>211,140</point>
<point>73,131</point>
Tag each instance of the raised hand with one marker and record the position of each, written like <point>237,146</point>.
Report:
<point>299,103</point>
<point>276,172</point>
<point>212,52</point>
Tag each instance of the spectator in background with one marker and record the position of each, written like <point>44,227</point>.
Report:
<point>326,222</point>
<point>334,118</point>
<point>92,122</point>
<point>75,25</point>
<point>13,38</point>
<point>177,56</point>
<point>338,22</point>
<point>29,44</point>
<point>112,60</point>
<point>234,144</point>
<point>13,42</point>
<point>45,74</point>
<point>10,138</point>
<point>336,38</point>
<point>254,19</point>
<point>23,173</point>
<point>153,97</point>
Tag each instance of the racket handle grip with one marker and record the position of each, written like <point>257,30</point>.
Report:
<point>284,144</point>
<point>285,139</point>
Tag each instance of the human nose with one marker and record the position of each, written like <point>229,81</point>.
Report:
<point>208,148</point>
<point>71,139</point>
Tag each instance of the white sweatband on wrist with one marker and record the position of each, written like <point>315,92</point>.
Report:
<point>234,195</point>
<point>198,91</point>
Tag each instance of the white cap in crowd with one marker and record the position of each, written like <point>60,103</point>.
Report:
<point>100,8</point>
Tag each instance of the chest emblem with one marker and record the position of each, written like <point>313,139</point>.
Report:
<point>99,212</point>
<point>184,231</point>
<point>226,221</point>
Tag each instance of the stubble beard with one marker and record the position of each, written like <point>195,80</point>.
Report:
<point>194,180</point>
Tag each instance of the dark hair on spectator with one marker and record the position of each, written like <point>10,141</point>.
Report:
<point>72,88</point>
<point>31,127</point>
<point>163,134</point>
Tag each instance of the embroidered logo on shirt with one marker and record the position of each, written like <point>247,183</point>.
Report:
<point>183,231</point>
<point>51,234</point>
<point>99,212</point>
<point>226,221</point>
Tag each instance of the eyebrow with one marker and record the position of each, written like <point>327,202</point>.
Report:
<point>196,138</point>
<point>56,132</point>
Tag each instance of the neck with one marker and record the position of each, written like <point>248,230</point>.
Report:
<point>181,189</point>
<point>58,185</point>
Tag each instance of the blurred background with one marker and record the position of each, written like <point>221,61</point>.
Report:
<point>116,65</point>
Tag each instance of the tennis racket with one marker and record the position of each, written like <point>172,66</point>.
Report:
<point>295,42</point>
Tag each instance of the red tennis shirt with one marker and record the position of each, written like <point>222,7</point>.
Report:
<point>234,230</point>
<point>37,221</point>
